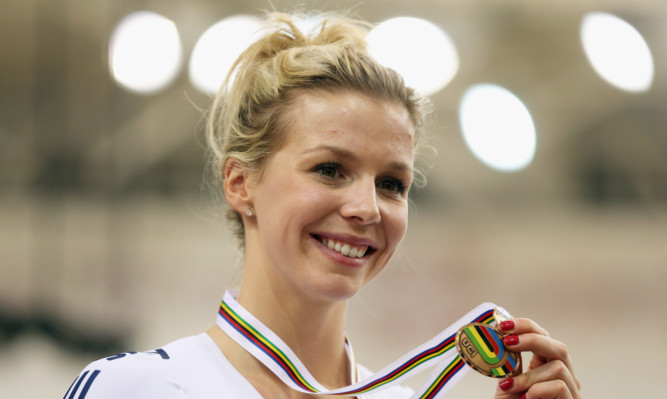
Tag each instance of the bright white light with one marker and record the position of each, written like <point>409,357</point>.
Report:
<point>218,48</point>
<point>617,52</point>
<point>497,127</point>
<point>418,50</point>
<point>145,52</point>
<point>310,25</point>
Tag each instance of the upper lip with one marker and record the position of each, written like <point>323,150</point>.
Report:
<point>348,238</point>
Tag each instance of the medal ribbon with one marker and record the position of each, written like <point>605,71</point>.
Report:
<point>268,348</point>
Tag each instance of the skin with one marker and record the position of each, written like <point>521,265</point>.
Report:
<point>550,374</point>
<point>343,173</point>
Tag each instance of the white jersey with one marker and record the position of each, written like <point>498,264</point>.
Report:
<point>190,368</point>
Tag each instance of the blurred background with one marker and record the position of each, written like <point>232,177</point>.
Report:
<point>548,195</point>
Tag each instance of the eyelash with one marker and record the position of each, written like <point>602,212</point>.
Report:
<point>328,165</point>
<point>400,184</point>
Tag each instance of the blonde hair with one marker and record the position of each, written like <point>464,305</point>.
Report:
<point>247,119</point>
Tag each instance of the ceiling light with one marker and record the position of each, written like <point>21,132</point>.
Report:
<point>218,48</point>
<point>617,52</point>
<point>497,127</point>
<point>145,52</point>
<point>418,50</point>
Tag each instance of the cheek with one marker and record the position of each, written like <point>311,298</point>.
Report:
<point>313,204</point>
<point>295,203</point>
<point>397,225</point>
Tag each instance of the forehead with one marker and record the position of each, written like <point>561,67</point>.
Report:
<point>348,116</point>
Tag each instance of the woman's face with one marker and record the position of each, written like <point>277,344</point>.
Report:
<point>332,203</point>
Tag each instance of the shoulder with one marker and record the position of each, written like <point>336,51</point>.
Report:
<point>163,372</point>
<point>395,392</point>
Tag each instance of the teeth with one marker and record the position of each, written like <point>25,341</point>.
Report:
<point>345,249</point>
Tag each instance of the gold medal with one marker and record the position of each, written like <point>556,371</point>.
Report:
<point>482,347</point>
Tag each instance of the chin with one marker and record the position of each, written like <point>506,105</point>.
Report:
<point>336,291</point>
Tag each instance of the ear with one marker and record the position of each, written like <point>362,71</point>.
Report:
<point>236,185</point>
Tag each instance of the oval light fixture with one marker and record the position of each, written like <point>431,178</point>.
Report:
<point>417,49</point>
<point>617,52</point>
<point>145,53</point>
<point>217,49</point>
<point>497,127</point>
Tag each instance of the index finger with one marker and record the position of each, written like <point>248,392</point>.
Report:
<point>526,335</point>
<point>522,326</point>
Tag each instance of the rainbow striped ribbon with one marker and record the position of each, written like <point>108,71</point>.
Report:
<point>268,348</point>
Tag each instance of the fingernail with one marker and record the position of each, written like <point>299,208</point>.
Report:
<point>507,384</point>
<point>507,325</point>
<point>524,396</point>
<point>511,340</point>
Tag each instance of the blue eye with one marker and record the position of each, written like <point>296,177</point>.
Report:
<point>392,184</point>
<point>330,170</point>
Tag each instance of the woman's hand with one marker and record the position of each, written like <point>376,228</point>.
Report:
<point>549,375</point>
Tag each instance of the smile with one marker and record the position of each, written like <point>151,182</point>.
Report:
<point>344,248</point>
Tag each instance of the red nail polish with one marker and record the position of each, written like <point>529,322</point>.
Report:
<point>511,340</point>
<point>507,325</point>
<point>524,396</point>
<point>507,384</point>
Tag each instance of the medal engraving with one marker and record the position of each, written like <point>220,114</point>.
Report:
<point>468,346</point>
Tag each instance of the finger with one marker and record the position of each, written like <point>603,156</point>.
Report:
<point>557,350</point>
<point>544,349</point>
<point>554,389</point>
<point>506,390</point>
<point>555,370</point>
<point>522,326</point>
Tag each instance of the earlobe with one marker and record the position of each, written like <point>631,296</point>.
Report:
<point>235,185</point>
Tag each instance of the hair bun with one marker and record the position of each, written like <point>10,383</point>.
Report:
<point>294,53</point>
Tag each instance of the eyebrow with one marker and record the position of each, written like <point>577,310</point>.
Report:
<point>343,153</point>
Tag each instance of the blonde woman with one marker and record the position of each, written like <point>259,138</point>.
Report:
<point>314,145</point>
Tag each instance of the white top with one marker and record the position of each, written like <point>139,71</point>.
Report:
<point>192,368</point>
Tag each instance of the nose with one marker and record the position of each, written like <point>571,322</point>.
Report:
<point>361,202</point>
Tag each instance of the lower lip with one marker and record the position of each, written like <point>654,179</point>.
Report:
<point>340,258</point>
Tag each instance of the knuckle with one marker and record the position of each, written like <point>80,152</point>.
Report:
<point>561,350</point>
<point>561,386</point>
<point>560,368</point>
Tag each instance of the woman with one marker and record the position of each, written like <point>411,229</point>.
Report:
<point>314,144</point>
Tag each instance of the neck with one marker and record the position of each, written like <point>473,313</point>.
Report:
<point>314,330</point>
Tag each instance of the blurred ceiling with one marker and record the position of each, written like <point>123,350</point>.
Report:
<point>66,128</point>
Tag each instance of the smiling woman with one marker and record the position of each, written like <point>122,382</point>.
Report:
<point>340,177</point>
<point>249,119</point>
<point>313,144</point>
